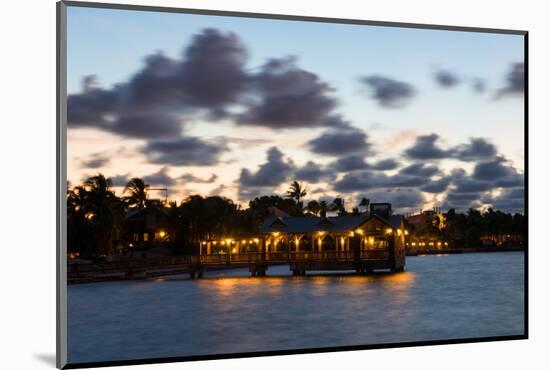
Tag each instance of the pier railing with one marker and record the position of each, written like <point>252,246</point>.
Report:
<point>233,258</point>
<point>275,257</point>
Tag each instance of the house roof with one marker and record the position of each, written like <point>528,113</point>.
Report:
<point>338,224</point>
<point>139,213</point>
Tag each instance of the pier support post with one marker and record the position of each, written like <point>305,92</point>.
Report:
<point>257,270</point>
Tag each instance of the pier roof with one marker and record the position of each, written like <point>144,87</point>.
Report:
<point>337,224</point>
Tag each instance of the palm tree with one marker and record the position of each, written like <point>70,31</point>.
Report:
<point>138,193</point>
<point>104,212</point>
<point>365,203</point>
<point>323,208</point>
<point>314,207</point>
<point>296,191</point>
<point>337,205</point>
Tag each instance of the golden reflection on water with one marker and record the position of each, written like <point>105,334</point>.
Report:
<point>318,285</point>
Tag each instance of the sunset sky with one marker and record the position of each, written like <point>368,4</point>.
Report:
<point>240,107</point>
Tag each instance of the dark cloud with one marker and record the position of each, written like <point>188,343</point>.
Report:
<point>312,172</point>
<point>437,186</point>
<point>350,163</point>
<point>446,79</point>
<point>425,147</point>
<point>213,71</point>
<point>270,174</point>
<point>160,178</point>
<point>345,141</point>
<point>476,149</point>
<point>210,76</point>
<point>385,165</point>
<point>493,170</point>
<point>512,180</point>
<point>96,160</point>
<point>401,199</point>
<point>509,200</point>
<point>285,96</point>
<point>463,199</point>
<point>515,82</point>
<point>469,185</point>
<point>90,108</point>
<point>420,169</point>
<point>185,151</point>
<point>358,162</point>
<point>147,125</point>
<point>364,180</point>
<point>188,177</point>
<point>389,93</point>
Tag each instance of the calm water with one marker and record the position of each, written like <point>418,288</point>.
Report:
<point>439,297</point>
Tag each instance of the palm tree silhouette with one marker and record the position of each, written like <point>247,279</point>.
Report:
<point>323,208</point>
<point>137,189</point>
<point>296,191</point>
<point>314,207</point>
<point>365,203</point>
<point>337,205</point>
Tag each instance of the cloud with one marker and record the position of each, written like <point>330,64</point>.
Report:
<point>349,140</point>
<point>515,82</point>
<point>90,107</point>
<point>425,147</point>
<point>147,125</point>
<point>350,163</point>
<point>469,185</point>
<point>389,93</point>
<point>509,200</point>
<point>312,172</point>
<point>476,149</point>
<point>464,200</point>
<point>420,169</point>
<point>160,178</point>
<point>401,199</point>
<point>493,170</point>
<point>188,177</point>
<point>364,180</point>
<point>446,79</point>
<point>358,162</point>
<point>95,161</point>
<point>285,96</point>
<point>185,151</point>
<point>437,186</point>
<point>385,165</point>
<point>210,75</point>
<point>270,174</point>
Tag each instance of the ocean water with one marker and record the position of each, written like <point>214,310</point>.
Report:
<point>438,297</point>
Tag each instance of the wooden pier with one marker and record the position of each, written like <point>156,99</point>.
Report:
<point>363,243</point>
<point>362,261</point>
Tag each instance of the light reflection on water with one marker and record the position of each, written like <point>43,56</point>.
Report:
<point>438,297</point>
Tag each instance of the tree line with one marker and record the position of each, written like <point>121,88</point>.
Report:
<point>473,228</point>
<point>97,218</point>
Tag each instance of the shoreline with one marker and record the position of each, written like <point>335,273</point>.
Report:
<point>160,270</point>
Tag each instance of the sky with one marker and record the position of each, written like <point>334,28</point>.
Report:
<point>240,107</point>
